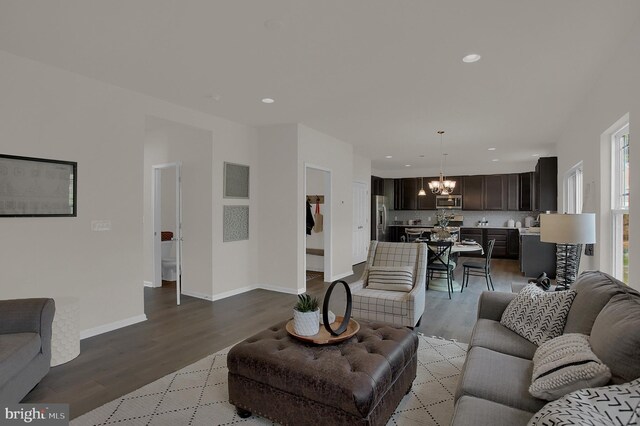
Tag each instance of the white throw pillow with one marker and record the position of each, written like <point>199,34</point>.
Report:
<point>565,364</point>
<point>611,405</point>
<point>391,278</point>
<point>537,315</point>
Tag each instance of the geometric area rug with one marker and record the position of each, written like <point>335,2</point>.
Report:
<point>197,394</point>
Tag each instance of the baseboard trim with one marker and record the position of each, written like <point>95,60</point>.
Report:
<point>268,287</point>
<point>105,328</point>
<point>197,295</point>
<point>233,292</point>
<point>341,276</point>
<point>149,284</point>
<point>280,289</point>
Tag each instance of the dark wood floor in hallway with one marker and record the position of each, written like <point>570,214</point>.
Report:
<point>113,364</point>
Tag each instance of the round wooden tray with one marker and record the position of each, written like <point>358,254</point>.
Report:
<point>324,337</point>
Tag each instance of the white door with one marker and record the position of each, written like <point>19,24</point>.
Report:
<point>360,222</point>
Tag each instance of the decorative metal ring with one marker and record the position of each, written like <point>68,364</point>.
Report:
<point>325,310</point>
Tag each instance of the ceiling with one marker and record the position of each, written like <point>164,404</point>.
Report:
<point>381,75</point>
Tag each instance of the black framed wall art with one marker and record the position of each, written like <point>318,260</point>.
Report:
<point>37,187</point>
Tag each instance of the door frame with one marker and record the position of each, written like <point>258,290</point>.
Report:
<point>367,213</point>
<point>156,194</point>
<point>327,240</point>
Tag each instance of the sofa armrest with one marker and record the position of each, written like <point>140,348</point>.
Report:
<point>492,304</point>
<point>28,316</point>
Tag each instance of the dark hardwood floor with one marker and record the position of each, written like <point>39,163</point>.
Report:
<point>113,364</point>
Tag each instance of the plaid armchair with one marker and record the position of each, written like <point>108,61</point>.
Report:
<point>396,307</point>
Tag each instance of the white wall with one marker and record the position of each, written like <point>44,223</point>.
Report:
<point>51,113</point>
<point>279,241</point>
<point>616,93</point>
<point>169,142</point>
<point>235,263</point>
<point>362,170</point>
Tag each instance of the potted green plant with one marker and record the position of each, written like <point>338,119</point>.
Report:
<point>306,316</point>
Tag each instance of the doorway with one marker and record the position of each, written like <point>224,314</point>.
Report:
<point>318,242</point>
<point>167,224</point>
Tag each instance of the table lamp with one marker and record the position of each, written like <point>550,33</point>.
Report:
<point>569,232</point>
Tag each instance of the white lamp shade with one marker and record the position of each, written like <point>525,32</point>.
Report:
<point>568,228</point>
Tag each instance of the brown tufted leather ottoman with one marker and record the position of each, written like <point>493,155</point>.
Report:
<point>357,382</point>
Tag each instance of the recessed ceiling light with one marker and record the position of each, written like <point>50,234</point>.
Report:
<point>267,100</point>
<point>407,165</point>
<point>472,57</point>
<point>491,149</point>
<point>495,159</point>
<point>388,156</point>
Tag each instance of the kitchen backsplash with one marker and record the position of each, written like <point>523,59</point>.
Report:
<point>471,218</point>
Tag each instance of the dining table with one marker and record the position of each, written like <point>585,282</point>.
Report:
<point>440,284</point>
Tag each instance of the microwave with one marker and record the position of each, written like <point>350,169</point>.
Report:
<point>448,201</point>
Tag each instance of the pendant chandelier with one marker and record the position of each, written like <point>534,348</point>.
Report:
<point>442,186</point>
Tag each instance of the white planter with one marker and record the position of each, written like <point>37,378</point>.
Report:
<point>306,323</point>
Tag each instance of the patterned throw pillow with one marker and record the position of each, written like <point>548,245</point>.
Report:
<point>392,278</point>
<point>611,405</point>
<point>538,315</point>
<point>565,364</point>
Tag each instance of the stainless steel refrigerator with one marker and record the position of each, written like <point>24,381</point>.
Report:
<point>379,209</point>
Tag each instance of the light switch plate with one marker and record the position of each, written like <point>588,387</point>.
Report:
<point>100,225</point>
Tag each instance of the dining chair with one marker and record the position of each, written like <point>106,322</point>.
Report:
<point>439,262</point>
<point>413,234</point>
<point>479,269</point>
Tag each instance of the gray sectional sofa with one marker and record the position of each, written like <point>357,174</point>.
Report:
<point>493,386</point>
<point>25,345</point>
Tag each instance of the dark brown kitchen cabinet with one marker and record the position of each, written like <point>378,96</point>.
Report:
<point>473,192</point>
<point>405,194</point>
<point>546,184</point>
<point>513,192</point>
<point>495,192</point>
<point>513,244</point>
<point>507,244</point>
<point>475,234</point>
<point>377,185</point>
<point>458,180</point>
<point>527,191</point>
<point>397,194</point>
<point>501,236</point>
<point>426,202</point>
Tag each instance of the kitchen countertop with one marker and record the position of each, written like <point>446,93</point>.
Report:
<point>523,231</point>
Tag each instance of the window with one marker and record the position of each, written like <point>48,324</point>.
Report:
<point>620,202</point>
<point>573,189</point>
